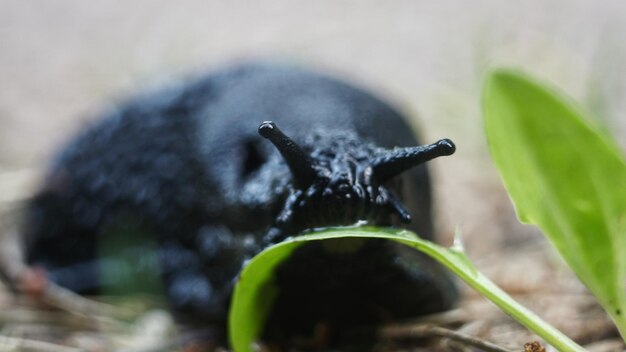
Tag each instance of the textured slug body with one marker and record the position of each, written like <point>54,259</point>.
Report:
<point>191,167</point>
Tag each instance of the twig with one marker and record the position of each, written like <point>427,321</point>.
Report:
<point>73,310</point>
<point>423,331</point>
<point>450,317</point>
<point>18,344</point>
<point>207,336</point>
<point>69,301</point>
<point>11,256</point>
<point>33,316</point>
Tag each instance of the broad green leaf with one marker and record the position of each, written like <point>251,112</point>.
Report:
<point>564,175</point>
<point>255,290</point>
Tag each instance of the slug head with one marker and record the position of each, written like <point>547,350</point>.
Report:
<point>343,181</point>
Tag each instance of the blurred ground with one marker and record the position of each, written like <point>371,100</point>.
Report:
<point>62,61</point>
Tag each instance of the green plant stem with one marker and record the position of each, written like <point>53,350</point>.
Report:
<point>620,322</point>
<point>460,264</point>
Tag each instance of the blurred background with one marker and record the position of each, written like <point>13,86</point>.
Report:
<point>61,62</point>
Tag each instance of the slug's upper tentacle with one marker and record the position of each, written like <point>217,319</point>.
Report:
<point>299,162</point>
<point>399,160</point>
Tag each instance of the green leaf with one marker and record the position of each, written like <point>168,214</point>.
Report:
<point>564,175</point>
<point>255,290</point>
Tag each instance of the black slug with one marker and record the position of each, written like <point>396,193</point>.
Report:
<point>190,166</point>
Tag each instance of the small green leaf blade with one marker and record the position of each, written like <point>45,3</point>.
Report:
<point>254,293</point>
<point>564,175</point>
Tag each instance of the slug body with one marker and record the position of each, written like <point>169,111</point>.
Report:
<point>190,167</point>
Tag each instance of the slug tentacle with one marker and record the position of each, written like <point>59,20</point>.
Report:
<point>399,160</point>
<point>299,162</point>
<point>399,208</point>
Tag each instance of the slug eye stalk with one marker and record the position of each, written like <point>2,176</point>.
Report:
<point>400,160</point>
<point>299,162</point>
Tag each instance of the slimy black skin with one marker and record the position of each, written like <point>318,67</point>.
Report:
<point>191,167</point>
